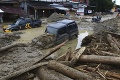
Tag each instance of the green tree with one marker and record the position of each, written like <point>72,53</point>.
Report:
<point>102,5</point>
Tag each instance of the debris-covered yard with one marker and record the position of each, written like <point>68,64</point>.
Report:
<point>97,59</point>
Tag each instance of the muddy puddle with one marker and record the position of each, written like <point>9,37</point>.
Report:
<point>29,34</point>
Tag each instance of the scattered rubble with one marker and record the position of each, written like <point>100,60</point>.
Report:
<point>98,59</point>
<point>8,38</point>
<point>44,41</point>
<point>56,17</point>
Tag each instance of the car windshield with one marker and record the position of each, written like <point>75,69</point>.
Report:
<point>51,30</point>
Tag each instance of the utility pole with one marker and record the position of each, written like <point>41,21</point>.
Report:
<point>25,7</point>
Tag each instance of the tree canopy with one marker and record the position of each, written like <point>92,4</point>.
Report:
<point>102,5</point>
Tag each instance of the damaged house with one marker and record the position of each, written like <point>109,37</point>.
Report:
<point>11,10</point>
<point>43,8</point>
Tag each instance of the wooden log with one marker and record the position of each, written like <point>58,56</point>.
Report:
<point>68,71</point>
<point>100,59</point>
<point>51,51</point>
<point>43,73</point>
<point>11,46</point>
<point>17,73</point>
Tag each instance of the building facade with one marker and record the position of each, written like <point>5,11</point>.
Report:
<point>79,6</point>
<point>11,10</point>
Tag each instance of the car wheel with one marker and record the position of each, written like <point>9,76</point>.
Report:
<point>74,36</point>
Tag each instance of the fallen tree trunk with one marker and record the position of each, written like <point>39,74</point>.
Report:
<point>11,46</point>
<point>43,73</point>
<point>100,59</point>
<point>68,71</point>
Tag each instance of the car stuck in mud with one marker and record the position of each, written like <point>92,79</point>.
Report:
<point>57,33</point>
<point>22,23</point>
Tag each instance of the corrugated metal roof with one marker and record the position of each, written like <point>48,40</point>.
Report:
<point>13,10</point>
<point>41,7</point>
<point>9,2</point>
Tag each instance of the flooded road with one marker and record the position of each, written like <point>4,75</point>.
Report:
<point>29,34</point>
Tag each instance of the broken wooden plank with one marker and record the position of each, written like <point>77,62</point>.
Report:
<point>77,55</point>
<point>68,71</point>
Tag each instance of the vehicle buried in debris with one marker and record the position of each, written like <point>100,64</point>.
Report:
<point>57,33</point>
<point>22,23</point>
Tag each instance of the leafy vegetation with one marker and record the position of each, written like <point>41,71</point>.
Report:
<point>101,5</point>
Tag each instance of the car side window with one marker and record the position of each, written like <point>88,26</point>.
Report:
<point>75,25</point>
<point>62,31</point>
<point>70,26</point>
<point>22,22</point>
<point>28,20</point>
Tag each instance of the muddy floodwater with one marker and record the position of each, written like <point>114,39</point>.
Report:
<point>29,34</point>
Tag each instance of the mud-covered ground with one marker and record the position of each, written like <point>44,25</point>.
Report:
<point>17,58</point>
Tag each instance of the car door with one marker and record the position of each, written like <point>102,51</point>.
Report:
<point>73,30</point>
<point>22,24</point>
<point>62,35</point>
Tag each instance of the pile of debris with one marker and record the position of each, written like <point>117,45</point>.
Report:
<point>94,61</point>
<point>98,59</point>
<point>8,38</point>
<point>56,17</point>
<point>43,41</point>
<point>107,26</point>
